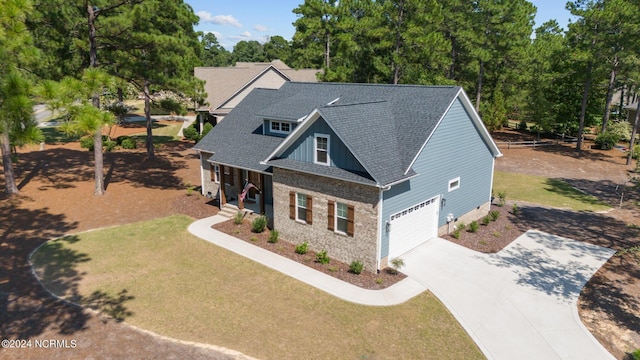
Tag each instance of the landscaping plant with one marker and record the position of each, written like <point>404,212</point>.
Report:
<point>302,248</point>
<point>473,226</point>
<point>397,263</point>
<point>356,267</point>
<point>259,224</point>
<point>238,218</point>
<point>273,236</point>
<point>322,257</point>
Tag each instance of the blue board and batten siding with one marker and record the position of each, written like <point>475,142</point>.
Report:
<point>304,147</point>
<point>456,149</point>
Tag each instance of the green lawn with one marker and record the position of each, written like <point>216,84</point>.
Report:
<point>161,133</point>
<point>544,191</point>
<point>183,287</point>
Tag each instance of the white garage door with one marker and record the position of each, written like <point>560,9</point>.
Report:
<point>413,226</point>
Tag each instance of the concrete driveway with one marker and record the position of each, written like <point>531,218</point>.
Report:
<point>520,303</point>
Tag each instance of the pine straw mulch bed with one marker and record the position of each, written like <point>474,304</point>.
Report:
<point>366,279</point>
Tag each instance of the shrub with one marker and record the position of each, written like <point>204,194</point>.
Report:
<point>522,125</point>
<point>460,226</point>
<point>486,220</point>
<point>397,263</point>
<point>109,145</point>
<point>636,355</point>
<point>322,257</point>
<point>253,238</point>
<point>607,140</point>
<point>515,209</point>
<point>356,267</point>
<point>622,129</point>
<point>259,224</point>
<point>238,218</point>
<point>494,214</point>
<point>636,152</point>
<point>191,133</point>
<point>473,226</point>
<point>502,198</point>
<point>87,143</point>
<point>456,234</point>
<point>273,236</point>
<point>302,248</point>
<point>128,144</point>
<point>205,129</point>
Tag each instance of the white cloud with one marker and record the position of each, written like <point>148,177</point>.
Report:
<point>206,16</point>
<point>260,28</point>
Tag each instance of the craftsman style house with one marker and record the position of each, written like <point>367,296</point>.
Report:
<point>366,172</point>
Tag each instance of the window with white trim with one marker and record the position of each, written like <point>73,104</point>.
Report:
<point>216,174</point>
<point>454,184</point>
<point>321,149</point>
<point>341,218</point>
<point>280,127</point>
<point>301,207</point>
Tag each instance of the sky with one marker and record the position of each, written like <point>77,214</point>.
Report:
<point>236,20</point>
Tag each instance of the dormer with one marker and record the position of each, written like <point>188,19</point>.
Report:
<point>278,127</point>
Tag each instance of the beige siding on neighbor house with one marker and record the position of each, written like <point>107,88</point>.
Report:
<point>269,80</point>
<point>362,246</point>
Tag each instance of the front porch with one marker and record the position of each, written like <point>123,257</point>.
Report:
<point>246,190</point>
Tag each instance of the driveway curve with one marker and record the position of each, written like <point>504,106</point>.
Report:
<point>520,303</point>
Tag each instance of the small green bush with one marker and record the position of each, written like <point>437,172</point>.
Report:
<point>128,144</point>
<point>238,218</point>
<point>356,267</point>
<point>322,257</point>
<point>522,125</point>
<point>473,226</point>
<point>87,143</point>
<point>456,234</point>
<point>191,133</point>
<point>273,236</point>
<point>109,145</point>
<point>205,129</point>
<point>494,214</point>
<point>486,220</point>
<point>622,129</point>
<point>607,140</point>
<point>397,263</point>
<point>259,224</point>
<point>636,355</point>
<point>461,226</point>
<point>253,238</point>
<point>502,198</point>
<point>302,248</point>
<point>515,209</point>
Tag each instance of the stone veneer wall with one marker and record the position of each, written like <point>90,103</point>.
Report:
<point>208,185</point>
<point>475,214</point>
<point>362,246</point>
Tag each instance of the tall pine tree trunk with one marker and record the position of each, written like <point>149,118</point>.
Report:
<point>480,79</point>
<point>9,176</point>
<point>95,99</point>
<point>636,122</point>
<point>583,108</point>
<point>147,114</point>
<point>610,90</point>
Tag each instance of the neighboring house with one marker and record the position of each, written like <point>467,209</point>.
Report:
<point>227,86</point>
<point>631,114</point>
<point>366,172</point>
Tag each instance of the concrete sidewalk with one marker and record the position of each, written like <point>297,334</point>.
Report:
<point>520,303</point>
<point>393,295</point>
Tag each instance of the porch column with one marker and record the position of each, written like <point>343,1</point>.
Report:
<point>240,188</point>
<point>223,198</point>
<point>262,211</point>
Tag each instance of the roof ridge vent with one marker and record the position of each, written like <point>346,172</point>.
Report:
<point>333,101</point>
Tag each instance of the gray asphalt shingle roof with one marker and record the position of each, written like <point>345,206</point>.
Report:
<point>384,126</point>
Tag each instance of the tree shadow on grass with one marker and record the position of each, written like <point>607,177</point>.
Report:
<point>26,308</point>
<point>56,265</point>
<point>583,191</point>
